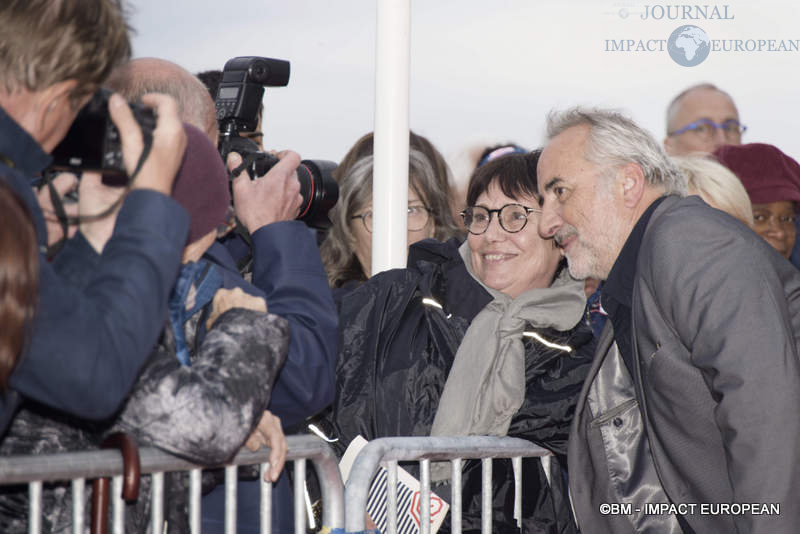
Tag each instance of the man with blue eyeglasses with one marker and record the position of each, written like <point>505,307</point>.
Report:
<point>701,119</point>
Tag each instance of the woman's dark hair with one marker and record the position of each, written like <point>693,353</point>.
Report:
<point>514,173</point>
<point>516,176</point>
<point>19,278</point>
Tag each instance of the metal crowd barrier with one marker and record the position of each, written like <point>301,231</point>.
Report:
<point>79,466</point>
<point>342,506</point>
<point>389,451</point>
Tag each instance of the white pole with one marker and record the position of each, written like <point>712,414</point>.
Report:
<point>390,180</point>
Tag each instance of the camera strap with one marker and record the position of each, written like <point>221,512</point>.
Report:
<point>245,263</point>
<point>61,215</point>
<point>247,161</point>
<point>65,220</point>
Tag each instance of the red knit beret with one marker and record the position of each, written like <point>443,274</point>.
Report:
<point>767,174</point>
<point>202,184</point>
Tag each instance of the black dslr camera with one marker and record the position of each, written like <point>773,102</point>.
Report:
<point>238,102</point>
<point>93,143</point>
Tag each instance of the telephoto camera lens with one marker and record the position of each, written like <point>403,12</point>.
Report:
<point>317,186</point>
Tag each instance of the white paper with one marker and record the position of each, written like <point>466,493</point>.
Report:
<point>408,496</point>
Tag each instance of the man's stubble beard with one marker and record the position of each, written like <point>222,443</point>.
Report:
<point>593,252</point>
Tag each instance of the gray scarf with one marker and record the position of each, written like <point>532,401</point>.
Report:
<point>486,385</point>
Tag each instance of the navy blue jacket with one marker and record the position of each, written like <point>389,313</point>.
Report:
<point>86,347</point>
<point>288,273</point>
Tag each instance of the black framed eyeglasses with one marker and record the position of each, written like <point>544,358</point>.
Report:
<point>705,128</point>
<point>512,218</point>
<point>418,216</point>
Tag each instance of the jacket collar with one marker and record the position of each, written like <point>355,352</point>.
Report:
<point>619,285</point>
<point>665,205</point>
<point>18,149</point>
<point>444,277</point>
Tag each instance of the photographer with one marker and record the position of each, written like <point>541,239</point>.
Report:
<point>287,272</point>
<point>287,269</point>
<point>204,389</point>
<point>287,266</point>
<point>86,347</point>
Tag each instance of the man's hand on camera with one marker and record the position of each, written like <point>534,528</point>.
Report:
<point>169,141</point>
<point>64,183</point>
<point>271,198</point>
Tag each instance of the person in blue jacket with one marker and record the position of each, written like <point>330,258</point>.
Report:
<point>286,271</point>
<point>86,347</point>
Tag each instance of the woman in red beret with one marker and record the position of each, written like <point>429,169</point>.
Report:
<point>772,180</point>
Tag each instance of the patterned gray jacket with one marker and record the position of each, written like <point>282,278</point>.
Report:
<point>203,413</point>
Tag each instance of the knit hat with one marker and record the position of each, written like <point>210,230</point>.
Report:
<point>767,174</point>
<point>202,184</point>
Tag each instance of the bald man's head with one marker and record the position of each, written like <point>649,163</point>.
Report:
<point>153,75</point>
<point>702,101</point>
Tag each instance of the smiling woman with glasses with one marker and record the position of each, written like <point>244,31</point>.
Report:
<point>481,337</point>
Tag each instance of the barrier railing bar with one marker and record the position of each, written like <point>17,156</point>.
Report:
<point>157,503</point>
<point>35,517</point>
<point>78,496</point>
<point>425,496</point>
<point>327,467</point>
<point>33,470</point>
<point>391,508</point>
<point>299,490</point>
<point>418,448</point>
<point>486,496</point>
<point>266,500</point>
<point>455,499</point>
<point>117,506</point>
<point>231,481</point>
<point>517,468</point>
<point>195,492</point>
<point>21,469</point>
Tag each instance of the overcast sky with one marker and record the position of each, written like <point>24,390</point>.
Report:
<point>479,69</point>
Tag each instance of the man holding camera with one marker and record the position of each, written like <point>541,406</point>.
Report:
<point>84,348</point>
<point>286,271</point>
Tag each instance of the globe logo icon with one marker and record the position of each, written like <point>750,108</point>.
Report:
<point>623,13</point>
<point>688,46</point>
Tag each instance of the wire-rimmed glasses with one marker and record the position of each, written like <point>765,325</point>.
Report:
<point>705,128</point>
<point>418,216</point>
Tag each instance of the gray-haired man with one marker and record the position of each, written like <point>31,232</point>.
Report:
<point>688,417</point>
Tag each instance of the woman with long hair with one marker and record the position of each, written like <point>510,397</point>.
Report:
<point>19,279</point>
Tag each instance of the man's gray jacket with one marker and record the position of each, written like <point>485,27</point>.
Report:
<point>710,418</point>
